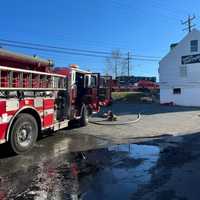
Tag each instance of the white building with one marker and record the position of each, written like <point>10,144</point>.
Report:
<point>179,72</point>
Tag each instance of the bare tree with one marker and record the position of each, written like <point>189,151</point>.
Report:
<point>115,64</point>
<point>123,67</point>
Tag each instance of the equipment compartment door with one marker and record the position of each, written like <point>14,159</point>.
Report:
<point>105,90</point>
<point>48,117</point>
<point>95,82</point>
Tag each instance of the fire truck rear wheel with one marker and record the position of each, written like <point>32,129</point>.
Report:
<point>84,116</point>
<point>24,133</point>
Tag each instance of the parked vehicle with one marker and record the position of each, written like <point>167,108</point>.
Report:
<point>144,85</point>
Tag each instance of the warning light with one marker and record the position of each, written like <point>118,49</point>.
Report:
<point>73,66</point>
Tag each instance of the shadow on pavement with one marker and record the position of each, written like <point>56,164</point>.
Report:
<point>176,173</point>
<point>5,151</point>
<point>121,108</point>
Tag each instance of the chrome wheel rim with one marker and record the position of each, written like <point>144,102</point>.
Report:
<point>24,135</point>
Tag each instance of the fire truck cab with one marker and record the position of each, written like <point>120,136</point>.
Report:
<point>35,97</point>
<point>82,94</point>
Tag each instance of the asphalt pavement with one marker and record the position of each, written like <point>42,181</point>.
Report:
<point>156,158</point>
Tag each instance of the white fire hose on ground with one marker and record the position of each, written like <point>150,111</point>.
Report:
<point>112,118</point>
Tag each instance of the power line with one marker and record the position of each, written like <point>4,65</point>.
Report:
<point>142,56</point>
<point>51,50</point>
<point>128,63</point>
<point>54,49</point>
<point>144,59</point>
<point>5,41</point>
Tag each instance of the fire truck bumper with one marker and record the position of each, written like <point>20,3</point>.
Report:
<point>2,141</point>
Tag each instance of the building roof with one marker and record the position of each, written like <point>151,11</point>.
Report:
<point>179,43</point>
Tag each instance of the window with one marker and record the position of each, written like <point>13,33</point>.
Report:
<point>177,91</point>
<point>194,45</point>
<point>73,77</point>
<point>183,71</point>
<point>93,81</point>
<point>86,81</point>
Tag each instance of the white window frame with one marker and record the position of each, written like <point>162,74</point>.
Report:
<point>194,47</point>
<point>183,71</point>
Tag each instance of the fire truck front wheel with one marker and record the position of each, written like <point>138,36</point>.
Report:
<point>24,133</point>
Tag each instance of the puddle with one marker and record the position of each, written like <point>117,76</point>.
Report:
<point>110,173</point>
<point>122,171</point>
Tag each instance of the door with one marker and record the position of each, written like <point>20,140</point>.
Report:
<point>105,90</point>
<point>93,91</point>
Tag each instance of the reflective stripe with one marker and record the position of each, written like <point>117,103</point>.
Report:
<point>26,102</point>
<point>12,105</point>
<point>38,102</point>
<point>46,127</point>
<point>41,113</point>
<point>2,141</point>
<point>5,118</point>
<point>48,112</point>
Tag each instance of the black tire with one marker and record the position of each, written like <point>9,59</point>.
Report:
<point>23,133</point>
<point>84,116</point>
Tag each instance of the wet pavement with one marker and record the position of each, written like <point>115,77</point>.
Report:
<point>119,171</point>
<point>109,172</point>
<point>97,163</point>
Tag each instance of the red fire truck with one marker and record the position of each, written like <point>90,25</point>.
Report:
<point>35,97</point>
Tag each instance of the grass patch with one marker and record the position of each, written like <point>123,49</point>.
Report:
<point>133,96</point>
<point>127,96</point>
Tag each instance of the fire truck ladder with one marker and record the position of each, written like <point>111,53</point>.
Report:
<point>15,79</point>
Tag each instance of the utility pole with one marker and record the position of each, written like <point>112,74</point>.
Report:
<point>115,69</point>
<point>188,23</point>
<point>128,59</point>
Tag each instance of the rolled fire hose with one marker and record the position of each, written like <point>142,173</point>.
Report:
<point>101,122</point>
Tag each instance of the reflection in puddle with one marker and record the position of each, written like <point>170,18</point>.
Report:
<point>121,170</point>
<point>113,173</point>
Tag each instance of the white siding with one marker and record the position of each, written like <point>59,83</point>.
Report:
<point>170,74</point>
<point>188,96</point>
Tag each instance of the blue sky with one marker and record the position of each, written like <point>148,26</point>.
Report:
<point>141,27</point>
